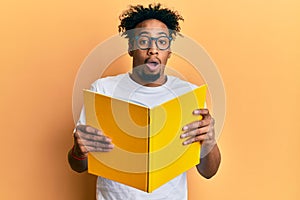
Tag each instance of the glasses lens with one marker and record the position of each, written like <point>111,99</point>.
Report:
<point>143,42</point>
<point>163,42</point>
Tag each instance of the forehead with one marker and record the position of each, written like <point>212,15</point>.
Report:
<point>152,27</point>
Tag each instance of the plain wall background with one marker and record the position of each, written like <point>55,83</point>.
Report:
<point>255,45</point>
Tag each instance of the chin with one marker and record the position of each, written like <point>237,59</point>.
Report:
<point>150,77</point>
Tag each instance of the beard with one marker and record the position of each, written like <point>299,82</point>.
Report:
<point>145,76</point>
<point>149,77</point>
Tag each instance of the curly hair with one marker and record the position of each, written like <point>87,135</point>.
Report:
<point>135,14</point>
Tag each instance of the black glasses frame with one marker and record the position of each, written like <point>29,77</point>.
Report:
<point>137,37</point>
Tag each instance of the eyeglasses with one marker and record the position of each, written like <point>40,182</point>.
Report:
<point>144,42</point>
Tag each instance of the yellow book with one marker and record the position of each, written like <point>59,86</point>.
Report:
<point>148,151</point>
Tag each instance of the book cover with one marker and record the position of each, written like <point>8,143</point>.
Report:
<point>148,150</point>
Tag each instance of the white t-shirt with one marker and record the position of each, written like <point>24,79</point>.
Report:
<point>123,87</point>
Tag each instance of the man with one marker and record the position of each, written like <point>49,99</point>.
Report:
<point>150,31</point>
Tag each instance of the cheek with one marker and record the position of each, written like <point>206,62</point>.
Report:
<point>138,57</point>
<point>165,57</point>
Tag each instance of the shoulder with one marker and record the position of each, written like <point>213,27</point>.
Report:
<point>102,84</point>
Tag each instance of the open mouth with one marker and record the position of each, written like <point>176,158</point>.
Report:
<point>152,65</point>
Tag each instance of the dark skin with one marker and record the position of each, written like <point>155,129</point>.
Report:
<point>89,139</point>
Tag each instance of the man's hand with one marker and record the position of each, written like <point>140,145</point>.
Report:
<point>89,139</point>
<point>203,131</point>
<point>200,131</point>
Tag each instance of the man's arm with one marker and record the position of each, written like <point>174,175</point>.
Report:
<point>87,139</point>
<point>210,163</point>
<point>77,162</point>
<point>203,131</point>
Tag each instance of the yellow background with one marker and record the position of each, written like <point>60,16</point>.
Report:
<point>254,43</point>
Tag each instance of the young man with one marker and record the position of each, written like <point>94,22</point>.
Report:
<point>149,31</point>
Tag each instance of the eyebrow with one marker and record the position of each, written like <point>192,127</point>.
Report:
<point>146,32</point>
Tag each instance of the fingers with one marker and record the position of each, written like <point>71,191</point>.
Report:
<point>95,146</point>
<point>87,136</point>
<point>202,111</point>
<point>89,129</point>
<point>205,121</point>
<point>90,139</point>
<point>195,132</point>
<point>197,138</point>
<point>200,130</point>
<point>197,124</point>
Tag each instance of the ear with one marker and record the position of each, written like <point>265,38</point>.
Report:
<point>130,48</point>
<point>130,53</point>
<point>169,54</point>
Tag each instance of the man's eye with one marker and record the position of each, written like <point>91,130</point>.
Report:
<point>143,42</point>
<point>162,42</point>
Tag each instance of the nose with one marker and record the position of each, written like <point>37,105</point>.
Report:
<point>153,50</point>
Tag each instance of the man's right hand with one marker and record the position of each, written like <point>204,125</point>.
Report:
<point>89,139</point>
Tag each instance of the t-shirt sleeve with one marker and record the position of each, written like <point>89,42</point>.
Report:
<point>95,87</point>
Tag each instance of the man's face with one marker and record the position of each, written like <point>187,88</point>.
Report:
<point>149,63</point>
